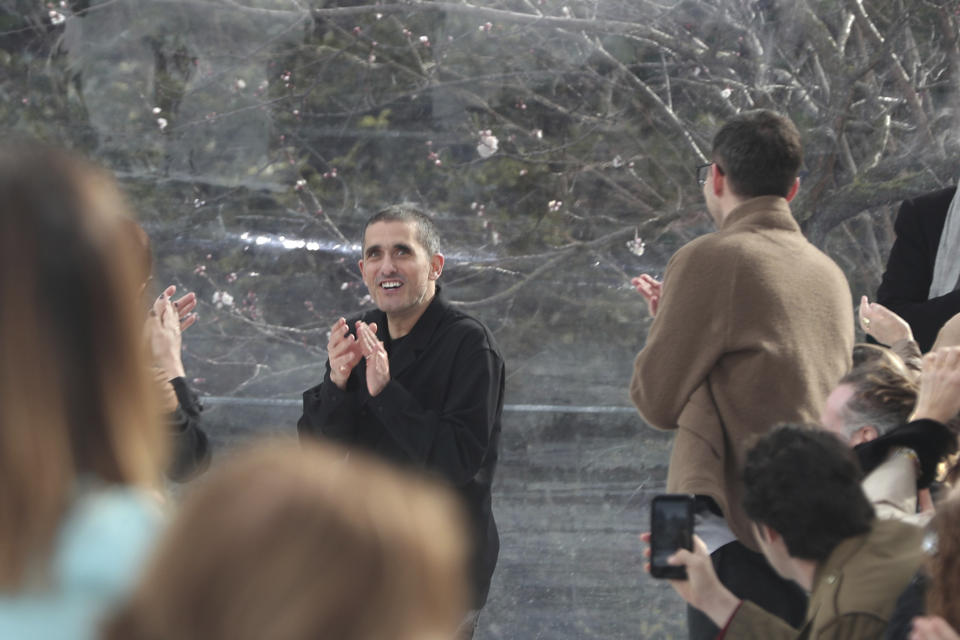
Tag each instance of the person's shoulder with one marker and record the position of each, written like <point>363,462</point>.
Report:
<point>106,507</point>
<point>932,198</point>
<point>714,255</point>
<point>705,247</point>
<point>888,544</point>
<point>927,206</point>
<point>881,569</point>
<point>457,321</point>
<point>106,534</point>
<point>887,534</point>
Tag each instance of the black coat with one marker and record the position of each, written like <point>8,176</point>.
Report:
<point>906,282</point>
<point>191,448</point>
<point>440,412</point>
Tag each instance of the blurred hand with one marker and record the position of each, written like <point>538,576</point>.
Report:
<point>184,306</point>
<point>925,502</point>
<point>343,353</point>
<point>702,589</point>
<point>939,397</point>
<point>883,325</point>
<point>162,329</point>
<point>650,288</point>
<point>932,628</point>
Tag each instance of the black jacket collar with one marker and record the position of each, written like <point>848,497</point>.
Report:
<point>405,351</point>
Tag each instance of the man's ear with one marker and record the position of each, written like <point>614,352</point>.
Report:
<point>864,434</point>
<point>767,534</point>
<point>360,264</point>
<point>719,180</point>
<point>793,190</point>
<point>436,266</point>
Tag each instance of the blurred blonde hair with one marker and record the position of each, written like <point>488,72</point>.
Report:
<point>76,400</point>
<point>304,544</point>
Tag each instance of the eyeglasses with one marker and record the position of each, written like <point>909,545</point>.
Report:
<point>703,171</point>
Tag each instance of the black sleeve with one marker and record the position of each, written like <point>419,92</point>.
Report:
<point>330,411</point>
<point>906,281</point>
<point>909,605</point>
<point>455,439</point>
<point>929,439</point>
<point>191,448</point>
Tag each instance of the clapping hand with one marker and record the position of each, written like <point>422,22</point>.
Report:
<point>883,325</point>
<point>650,288</point>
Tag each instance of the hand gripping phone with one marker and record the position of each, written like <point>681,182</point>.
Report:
<point>671,528</point>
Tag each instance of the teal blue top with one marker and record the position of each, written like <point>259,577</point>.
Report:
<point>105,537</point>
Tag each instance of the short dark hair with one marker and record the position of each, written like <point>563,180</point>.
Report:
<point>405,212</point>
<point>804,483</point>
<point>759,152</point>
<point>883,397</point>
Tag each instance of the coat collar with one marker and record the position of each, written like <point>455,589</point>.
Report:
<point>830,572</point>
<point>764,211</point>
<point>408,348</point>
<point>886,538</point>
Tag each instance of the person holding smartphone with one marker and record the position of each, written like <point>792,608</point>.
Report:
<point>816,527</point>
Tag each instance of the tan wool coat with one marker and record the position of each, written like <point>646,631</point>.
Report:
<point>854,591</point>
<point>754,328</point>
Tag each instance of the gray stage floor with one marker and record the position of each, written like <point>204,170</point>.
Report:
<point>571,496</point>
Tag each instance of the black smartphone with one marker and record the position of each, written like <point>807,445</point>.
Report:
<point>671,528</point>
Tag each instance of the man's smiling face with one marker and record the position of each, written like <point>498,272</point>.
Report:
<point>397,269</point>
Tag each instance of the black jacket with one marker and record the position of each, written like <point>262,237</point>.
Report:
<point>191,448</point>
<point>906,282</point>
<point>440,412</point>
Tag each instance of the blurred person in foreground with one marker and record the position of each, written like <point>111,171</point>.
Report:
<point>416,381</point>
<point>82,450</point>
<point>940,593</point>
<point>816,527</point>
<point>284,543</point>
<point>752,326</point>
<point>899,442</point>
<point>168,318</point>
<point>929,609</point>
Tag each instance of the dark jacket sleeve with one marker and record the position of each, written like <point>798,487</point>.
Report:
<point>906,281</point>
<point>929,439</point>
<point>910,604</point>
<point>453,440</point>
<point>330,411</point>
<point>191,448</point>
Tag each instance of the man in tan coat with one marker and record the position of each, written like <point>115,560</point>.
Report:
<point>753,326</point>
<point>817,528</point>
